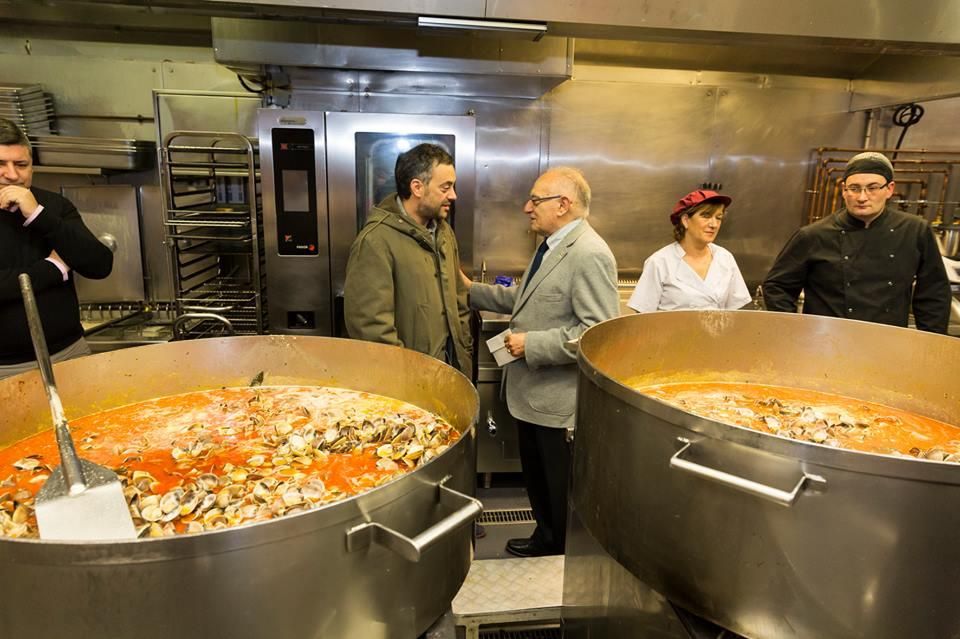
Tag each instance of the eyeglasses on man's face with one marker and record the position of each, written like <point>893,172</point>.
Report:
<point>870,189</point>
<point>533,199</point>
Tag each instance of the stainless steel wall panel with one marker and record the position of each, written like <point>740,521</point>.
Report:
<point>707,78</point>
<point>324,101</point>
<point>185,75</point>
<point>936,130</point>
<point>328,80</point>
<point>898,79</point>
<point>228,112</point>
<point>158,275</point>
<point>761,151</point>
<point>643,143</point>
<point>796,58</point>
<point>104,87</point>
<point>110,212</point>
<point>91,86</point>
<point>641,147</point>
<point>456,84</point>
<point>509,134</point>
<point>497,447</point>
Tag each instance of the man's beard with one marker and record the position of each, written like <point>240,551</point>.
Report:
<point>430,213</point>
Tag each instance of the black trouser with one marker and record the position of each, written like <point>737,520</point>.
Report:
<point>545,458</point>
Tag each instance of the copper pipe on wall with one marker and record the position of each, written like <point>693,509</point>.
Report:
<point>938,219</point>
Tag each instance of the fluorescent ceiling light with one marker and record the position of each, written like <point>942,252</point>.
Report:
<point>534,30</point>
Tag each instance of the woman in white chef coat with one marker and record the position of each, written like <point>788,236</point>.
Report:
<point>692,273</point>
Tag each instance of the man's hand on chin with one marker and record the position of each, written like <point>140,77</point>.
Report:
<point>16,198</point>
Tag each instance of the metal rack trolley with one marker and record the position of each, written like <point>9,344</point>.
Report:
<point>213,224</point>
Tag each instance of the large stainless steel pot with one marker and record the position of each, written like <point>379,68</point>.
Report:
<point>767,536</point>
<point>385,563</point>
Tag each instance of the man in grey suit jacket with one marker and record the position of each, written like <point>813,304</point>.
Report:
<point>570,284</point>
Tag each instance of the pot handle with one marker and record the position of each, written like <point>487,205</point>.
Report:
<point>757,489</point>
<point>467,509</point>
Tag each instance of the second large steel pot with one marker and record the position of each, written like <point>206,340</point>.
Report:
<point>770,537</point>
<point>385,563</point>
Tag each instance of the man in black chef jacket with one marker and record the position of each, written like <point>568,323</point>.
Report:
<point>41,234</point>
<point>867,261</point>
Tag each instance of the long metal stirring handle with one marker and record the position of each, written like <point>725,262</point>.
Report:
<point>72,471</point>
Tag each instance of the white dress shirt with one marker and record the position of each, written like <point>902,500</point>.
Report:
<point>559,234</point>
<point>670,284</point>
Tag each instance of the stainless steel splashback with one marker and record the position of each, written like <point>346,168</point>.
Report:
<point>643,140</point>
<point>205,111</point>
<point>111,213</point>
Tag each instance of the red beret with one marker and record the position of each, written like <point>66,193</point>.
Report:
<point>693,198</point>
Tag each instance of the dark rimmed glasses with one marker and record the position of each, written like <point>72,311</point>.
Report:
<point>871,189</point>
<point>533,199</point>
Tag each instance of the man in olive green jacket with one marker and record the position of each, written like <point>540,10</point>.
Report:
<point>403,282</point>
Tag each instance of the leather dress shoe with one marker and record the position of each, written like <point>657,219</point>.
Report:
<point>527,547</point>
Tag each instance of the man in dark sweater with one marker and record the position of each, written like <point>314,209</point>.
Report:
<point>41,234</point>
<point>867,261</point>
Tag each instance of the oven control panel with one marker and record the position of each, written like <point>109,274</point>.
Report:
<point>294,171</point>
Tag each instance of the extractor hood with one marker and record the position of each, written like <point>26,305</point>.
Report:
<point>402,57</point>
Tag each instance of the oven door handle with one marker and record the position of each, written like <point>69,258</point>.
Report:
<point>466,510</point>
<point>755,488</point>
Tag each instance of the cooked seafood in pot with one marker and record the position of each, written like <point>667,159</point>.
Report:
<point>812,416</point>
<point>213,459</point>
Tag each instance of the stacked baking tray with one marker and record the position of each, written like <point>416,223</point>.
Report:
<point>105,153</point>
<point>28,107</point>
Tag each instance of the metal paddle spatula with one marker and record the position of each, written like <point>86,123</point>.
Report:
<point>80,501</point>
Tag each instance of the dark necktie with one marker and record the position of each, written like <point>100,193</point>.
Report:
<point>537,260</point>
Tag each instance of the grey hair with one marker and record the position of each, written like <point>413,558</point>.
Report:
<point>581,189</point>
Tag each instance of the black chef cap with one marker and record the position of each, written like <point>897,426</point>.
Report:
<point>869,162</point>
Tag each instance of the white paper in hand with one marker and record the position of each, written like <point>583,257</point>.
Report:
<point>499,350</point>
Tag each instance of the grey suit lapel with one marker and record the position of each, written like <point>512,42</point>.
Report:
<point>552,260</point>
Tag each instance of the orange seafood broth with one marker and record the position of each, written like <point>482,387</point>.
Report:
<point>151,430</point>
<point>881,429</point>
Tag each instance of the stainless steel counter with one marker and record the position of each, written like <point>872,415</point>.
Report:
<point>497,449</point>
<point>137,329</point>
